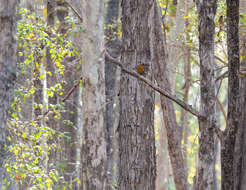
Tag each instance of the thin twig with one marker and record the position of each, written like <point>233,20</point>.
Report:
<point>163,92</point>
<point>218,90</point>
<point>216,57</point>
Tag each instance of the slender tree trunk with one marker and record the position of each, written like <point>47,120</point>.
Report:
<point>206,154</point>
<point>233,115</point>
<point>158,57</point>
<point>71,128</point>
<point>73,107</point>
<point>240,144</point>
<point>188,79</point>
<point>69,124</point>
<point>51,5</point>
<point>137,164</point>
<point>218,121</point>
<point>163,163</point>
<point>184,115</point>
<point>113,47</point>
<point>93,153</point>
<point>175,42</point>
<point>239,150</point>
<point>240,147</point>
<point>7,77</point>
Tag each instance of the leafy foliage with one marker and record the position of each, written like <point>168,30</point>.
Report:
<point>32,139</point>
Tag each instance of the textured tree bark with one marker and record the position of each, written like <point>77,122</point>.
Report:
<point>217,140</point>
<point>184,115</point>
<point>233,114</point>
<point>113,46</point>
<point>51,5</point>
<point>240,144</point>
<point>7,77</point>
<point>93,153</point>
<point>158,57</point>
<point>137,160</point>
<point>240,148</point>
<point>186,88</point>
<point>206,154</point>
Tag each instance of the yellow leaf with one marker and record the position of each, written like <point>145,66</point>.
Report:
<point>45,12</point>
<point>20,54</point>
<point>50,74</point>
<point>42,76</point>
<point>37,65</point>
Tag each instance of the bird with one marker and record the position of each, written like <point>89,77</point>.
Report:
<point>142,68</point>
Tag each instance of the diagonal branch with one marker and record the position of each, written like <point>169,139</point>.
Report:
<point>221,108</point>
<point>221,77</point>
<point>72,90</point>
<point>76,13</point>
<point>156,88</point>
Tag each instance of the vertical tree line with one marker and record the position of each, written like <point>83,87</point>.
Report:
<point>7,77</point>
<point>206,154</point>
<point>68,139</point>
<point>137,164</point>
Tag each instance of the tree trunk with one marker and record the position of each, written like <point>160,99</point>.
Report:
<point>93,153</point>
<point>51,122</point>
<point>240,143</point>
<point>218,121</point>
<point>69,124</point>
<point>158,57</point>
<point>72,150</point>
<point>233,115</point>
<point>206,154</point>
<point>113,47</point>
<point>187,84</point>
<point>7,77</point>
<point>164,173</point>
<point>175,50</point>
<point>137,164</point>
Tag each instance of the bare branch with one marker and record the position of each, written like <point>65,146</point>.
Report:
<point>221,77</point>
<point>221,60</point>
<point>163,92</point>
<point>72,90</point>
<point>216,57</point>
<point>76,13</point>
<point>221,108</point>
